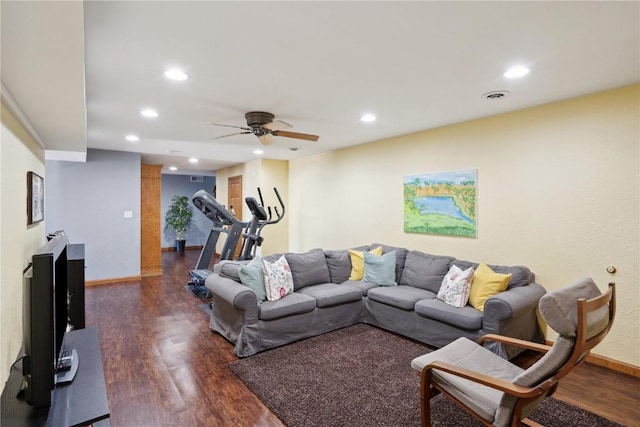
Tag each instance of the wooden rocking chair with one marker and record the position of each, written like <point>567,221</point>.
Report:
<point>500,393</point>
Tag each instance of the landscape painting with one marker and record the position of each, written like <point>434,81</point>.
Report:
<point>441,203</point>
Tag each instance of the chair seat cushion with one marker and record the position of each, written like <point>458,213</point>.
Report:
<point>465,317</point>
<point>328,294</point>
<point>401,296</point>
<point>290,304</point>
<point>467,354</point>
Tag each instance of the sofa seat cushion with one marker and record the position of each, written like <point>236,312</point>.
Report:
<point>404,297</point>
<point>465,317</point>
<point>363,286</point>
<point>329,294</point>
<point>295,303</point>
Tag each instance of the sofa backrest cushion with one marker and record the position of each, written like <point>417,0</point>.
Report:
<point>401,255</point>
<point>339,263</point>
<point>229,269</point>
<point>425,271</point>
<point>520,275</point>
<point>309,268</point>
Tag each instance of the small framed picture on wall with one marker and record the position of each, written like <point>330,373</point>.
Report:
<point>35,198</point>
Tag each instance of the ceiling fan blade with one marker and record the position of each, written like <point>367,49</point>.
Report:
<point>266,139</point>
<point>231,134</point>
<point>277,125</point>
<point>296,135</point>
<point>229,126</point>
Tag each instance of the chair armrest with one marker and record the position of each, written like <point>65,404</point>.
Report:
<point>477,377</point>
<point>232,292</point>
<point>515,342</point>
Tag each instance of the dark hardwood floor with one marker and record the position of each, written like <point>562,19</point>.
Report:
<point>164,367</point>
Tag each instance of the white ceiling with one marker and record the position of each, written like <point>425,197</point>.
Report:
<point>315,65</point>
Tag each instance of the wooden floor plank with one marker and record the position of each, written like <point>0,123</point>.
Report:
<point>163,365</point>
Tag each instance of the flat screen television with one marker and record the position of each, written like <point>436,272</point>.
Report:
<point>45,319</point>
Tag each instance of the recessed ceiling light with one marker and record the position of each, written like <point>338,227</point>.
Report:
<point>132,138</point>
<point>515,72</point>
<point>148,112</point>
<point>193,160</point>
<point>258,152</point>
<point>176,74</point>
<point>173,168</point>
<point>368,118</point>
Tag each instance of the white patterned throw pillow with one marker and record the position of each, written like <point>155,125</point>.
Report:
<point>278,280</point>
<point>455,286</point>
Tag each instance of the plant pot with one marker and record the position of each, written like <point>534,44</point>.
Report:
<point>180,245</point>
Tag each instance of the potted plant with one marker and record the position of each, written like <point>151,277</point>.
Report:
<point>178,219</point>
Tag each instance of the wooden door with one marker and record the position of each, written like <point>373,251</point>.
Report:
<point>234,200</point>
<point>150,193</point>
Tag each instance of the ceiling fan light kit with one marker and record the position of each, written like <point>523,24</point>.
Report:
<point>263,125</point>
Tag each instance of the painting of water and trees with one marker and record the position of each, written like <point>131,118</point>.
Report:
<point>441,203</point>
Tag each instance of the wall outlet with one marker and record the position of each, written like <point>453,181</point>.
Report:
<point>128,214</point>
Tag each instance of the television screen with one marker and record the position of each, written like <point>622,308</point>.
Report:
<point>45,319</point>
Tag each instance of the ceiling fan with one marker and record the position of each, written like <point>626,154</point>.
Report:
<point>263,125</point>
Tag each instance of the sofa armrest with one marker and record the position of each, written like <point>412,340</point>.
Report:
<point>231,292</point>
<point>509,304</point>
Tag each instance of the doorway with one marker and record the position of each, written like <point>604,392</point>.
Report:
<point>234,201</point>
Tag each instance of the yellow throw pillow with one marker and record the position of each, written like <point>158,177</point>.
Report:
<point>357,262</point>
<point>486,283</point>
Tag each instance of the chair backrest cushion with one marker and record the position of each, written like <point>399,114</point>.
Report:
<point>548,364</point>
<point>559,309</point>
<point>544,368</point>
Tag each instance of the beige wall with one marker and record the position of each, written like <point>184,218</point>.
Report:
<point>558,189</point>
<point>19,153</point>
<point>275,173</point>
<point>265,174</point>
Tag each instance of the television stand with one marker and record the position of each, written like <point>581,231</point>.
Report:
<point>80,402</point>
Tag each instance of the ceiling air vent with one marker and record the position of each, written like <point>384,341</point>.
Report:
<point>495,95</point>
<point>196,179</point>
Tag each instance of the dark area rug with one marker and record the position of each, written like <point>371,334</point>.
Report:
<point>362,376</point>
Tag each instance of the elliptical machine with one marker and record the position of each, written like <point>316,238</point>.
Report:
<point>225,222</point>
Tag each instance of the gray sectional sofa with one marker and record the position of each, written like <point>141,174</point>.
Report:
<point>324,299</point>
